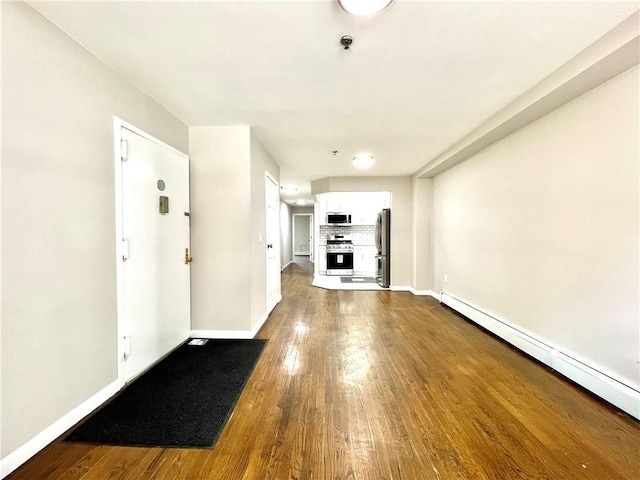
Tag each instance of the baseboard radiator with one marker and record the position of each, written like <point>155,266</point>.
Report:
<point>614,391</point>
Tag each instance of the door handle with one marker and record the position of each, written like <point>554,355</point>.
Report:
<point>187,258</point>
<point>269,245</point>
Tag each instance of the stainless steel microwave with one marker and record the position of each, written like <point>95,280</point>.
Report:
<point>339,219</point>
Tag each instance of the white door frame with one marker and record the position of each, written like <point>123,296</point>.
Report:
<point>293,222</point>
<point>118,124</point>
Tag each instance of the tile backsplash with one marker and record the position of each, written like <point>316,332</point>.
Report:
<point>360,234</point>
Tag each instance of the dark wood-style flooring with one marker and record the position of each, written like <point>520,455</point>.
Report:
<point>382,385</point>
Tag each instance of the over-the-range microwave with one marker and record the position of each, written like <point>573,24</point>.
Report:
<point>339,219</point>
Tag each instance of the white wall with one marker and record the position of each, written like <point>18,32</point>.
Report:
<point>422,245</point>
<point>228,202</point>
<point>285,234</point>
<point>58,219</point>
<point>542,228</point>
<point>220,228</point>
<point>302,210</point>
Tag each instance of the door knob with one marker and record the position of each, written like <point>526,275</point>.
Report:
<point>269,245</point>
<point>187,258</point>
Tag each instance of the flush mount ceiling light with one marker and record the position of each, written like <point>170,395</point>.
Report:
<point>363,160</point>
<point>363,8</point>
<point>288,189</point>
<point>300,202</point>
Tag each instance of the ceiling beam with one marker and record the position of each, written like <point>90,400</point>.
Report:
<point>614,53</point>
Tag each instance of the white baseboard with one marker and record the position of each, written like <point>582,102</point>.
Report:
<point>233,334</point>
<point>286,265</point>
<point>590,377</point>
<point>19,456</point>
<point>399,288</point>
<point>226,334</point>
<point>429,293</point>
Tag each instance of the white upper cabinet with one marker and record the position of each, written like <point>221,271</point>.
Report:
<point>338,203</point>
<point>367,205</point>
<point>363,206</point>
<point>320,210</point>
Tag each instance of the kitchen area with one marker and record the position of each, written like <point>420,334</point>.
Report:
<point>352,240</point>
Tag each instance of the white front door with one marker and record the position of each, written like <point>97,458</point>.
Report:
<point>155,277</point>
<point>273,242</point>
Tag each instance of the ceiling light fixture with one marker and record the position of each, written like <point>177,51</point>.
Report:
<point>300,202</point>
<point>363,160</point>
<point>363,8</point>
<point>288,189</point>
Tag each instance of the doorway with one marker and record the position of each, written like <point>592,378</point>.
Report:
<point>302,238</point>
<point>152,247</point>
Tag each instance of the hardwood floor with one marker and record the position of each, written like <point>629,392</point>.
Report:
<point>383,385</point>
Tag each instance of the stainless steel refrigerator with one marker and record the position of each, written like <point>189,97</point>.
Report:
<point>383,244</point>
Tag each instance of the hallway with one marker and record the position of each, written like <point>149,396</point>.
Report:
<point>382,385</point>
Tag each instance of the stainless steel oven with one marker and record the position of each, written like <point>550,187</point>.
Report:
<point>339,257</point>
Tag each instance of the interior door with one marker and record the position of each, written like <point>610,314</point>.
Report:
<point>311,249</point>
<point>273,242</point>
<point>155,272</point>
<point>301,234</point>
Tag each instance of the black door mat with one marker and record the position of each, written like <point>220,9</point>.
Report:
<point>183,401</point>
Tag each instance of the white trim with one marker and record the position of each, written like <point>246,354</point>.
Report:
<point>117,138</point>
<point>118,122</point>
<point>400,288</point>
<point>286,265</point>
<point>267,174</point>
<point>23,453</point>
<point>231,334</point>
<point>429,293</point>
<point>266,315</point>
<point>590,377</point>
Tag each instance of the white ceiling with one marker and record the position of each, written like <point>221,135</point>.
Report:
<point>418,76</point>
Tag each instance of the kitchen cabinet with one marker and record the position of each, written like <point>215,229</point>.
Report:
<point>338,204</point>
<point>364,260</point>
<point>320,210</point>
<point>322,259</point>
<point>363,206</point>
<point>331,206</point>
<point>365,215</point>
<point>369,259</point>
<point>358,260</point>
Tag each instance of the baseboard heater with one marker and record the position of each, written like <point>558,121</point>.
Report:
<point>610,389</point>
